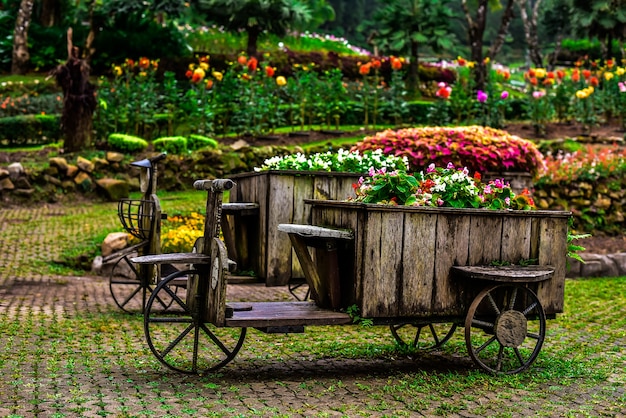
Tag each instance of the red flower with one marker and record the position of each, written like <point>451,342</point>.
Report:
<point>270,71</point>
<point>560,74</point>
<point>209,84</point>
<point>252,64</point>
<point>609,63</point>
<point>531,72</point>
<point>594,81</point>
<point>189,73</point>
<point>533,81</point>
<point>376,64</point>
<point>586,74</point>
<point>364,69</point>
<point>575,77</point>
<point>477,176</point>
<point>144,63</point>
<point>550,75</point>
<point>396,63</point>
<point>242,60</point>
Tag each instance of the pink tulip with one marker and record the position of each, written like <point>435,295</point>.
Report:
<point>504,95</point>
<point>481,96</point>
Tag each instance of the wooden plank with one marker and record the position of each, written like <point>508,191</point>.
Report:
<point>311,231</point>
<point>485,240</point>
<point>382,276</point>
<point>173,258</point>
<point>303,189</point>
<point>319,288</point>
<point>278,249</point>
<point>507,274</point>
<point>261,193</point>
<point>418,253</point>
<point>264,314</point>
<point>516,236</point>
<point>452,247</point>
<point>552,251</point>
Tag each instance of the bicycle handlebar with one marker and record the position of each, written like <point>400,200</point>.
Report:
<point>217,185</point>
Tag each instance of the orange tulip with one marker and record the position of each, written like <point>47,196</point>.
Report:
<point>270,71</point>
<point>242,60</point>
<point>252,64</point>
<point>364,69</point>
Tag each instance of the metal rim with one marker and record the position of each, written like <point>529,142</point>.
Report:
<point>422,335</point>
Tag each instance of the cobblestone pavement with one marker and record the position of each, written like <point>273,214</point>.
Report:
<point>66,350</point>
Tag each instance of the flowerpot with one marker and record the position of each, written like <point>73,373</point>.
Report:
<point>280,195</point>
<point>399,264</point>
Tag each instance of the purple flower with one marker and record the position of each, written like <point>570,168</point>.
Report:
<point>481,96</point>
<point>504,95</point>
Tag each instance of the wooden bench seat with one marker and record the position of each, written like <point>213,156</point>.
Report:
<point>173,258</point>
<point>282,314</point>
<point>507,274</point>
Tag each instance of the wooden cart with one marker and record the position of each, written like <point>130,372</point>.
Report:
<point>420,271</point>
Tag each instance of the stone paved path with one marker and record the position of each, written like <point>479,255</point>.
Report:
<point>67,351</point>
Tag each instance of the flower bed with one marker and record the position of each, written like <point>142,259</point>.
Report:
<point>480,149</point>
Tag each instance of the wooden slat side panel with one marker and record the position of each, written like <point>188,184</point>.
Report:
<point>516,239</point>
<point>303,189</point>
<point>452,247</point>
<point>278,247</point>
<point>418,253</point>
<point>485,240</point>
<point>553,252</point>
<point>261,194</point>
<point>384,264</point>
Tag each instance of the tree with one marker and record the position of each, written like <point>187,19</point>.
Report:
<point>21,56</point>
<point>79,100</point>
<point>476,29</point>
<point>604,19</point>
<point>404,25</point>
<point>257,16</point>
<point>556,24</point>
<point>530,28</point>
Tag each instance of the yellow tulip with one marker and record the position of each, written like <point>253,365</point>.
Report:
<point>608,76</point>
<point>281,81</point>
<point>218,75</point>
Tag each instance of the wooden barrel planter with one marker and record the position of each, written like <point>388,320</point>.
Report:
<point>280,195</point>
<point>400,262</point>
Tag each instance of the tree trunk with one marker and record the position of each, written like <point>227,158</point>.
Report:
<point>19,64</point>
<point>413,78</point>
<point>530,30</point>
<point>253,38</point>
<point>557,50</point>
<point>475,31</point>
<point>507,16</point>
<point>79,100</point>
<point>50,13</point>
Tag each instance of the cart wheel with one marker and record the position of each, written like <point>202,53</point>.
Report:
<point>128,292</point>
<point>422,335</point>
<point>180,340</point>
<point>505,328</point>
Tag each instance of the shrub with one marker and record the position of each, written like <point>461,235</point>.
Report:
<point>30,130</point>
<point>127,143</point>
<point>171,144</point>
<point>478,148</point>
<point>195,142</point>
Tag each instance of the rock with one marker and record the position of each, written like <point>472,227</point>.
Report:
<point>6,184</point>
<point>114,189</point>
<point>96,265</point>
<point>122,269</point>
<point>100,163</point>
<point>16,170</point>
<point>83,180</point>
<point>114,157</point>
<point>59,163</point>
<point>3,173</point>
<point>85,165</point>
<point>71,171</point>
<point>113,242</point>
<point>24,192</point>
<point>602,202</point>
<point>240,144</point>
<point>22,183</point>
<point>52,180</point>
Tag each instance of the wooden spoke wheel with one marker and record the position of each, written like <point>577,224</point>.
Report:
<point>422,335</point>
<point>129,292</point>
<point>180,339</point>
<point>505,328</point>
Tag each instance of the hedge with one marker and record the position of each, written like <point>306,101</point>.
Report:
<point>29,130</point>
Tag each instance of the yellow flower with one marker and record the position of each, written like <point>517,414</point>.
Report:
<point>217,75</point>
<point>281,81</point>
<point>204,66</point>
<point>540,72</point>
<point>470,64</point>
<point>608,76</point>
<point>620,71</point>
<point>117,71</point>
<point>581,94</point>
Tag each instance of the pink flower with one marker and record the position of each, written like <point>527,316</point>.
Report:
<point>431,168</point>
<point>538,94</point>
<point>450,166</point>
<point>481,96</point>
<point>440,202</point>
<point>504,95</point>
<point>622,87</point>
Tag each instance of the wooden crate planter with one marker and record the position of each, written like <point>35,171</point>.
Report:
<point>399,264</point>
<point>280,195</point>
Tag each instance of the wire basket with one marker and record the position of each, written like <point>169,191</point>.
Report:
<point>136,217</point>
